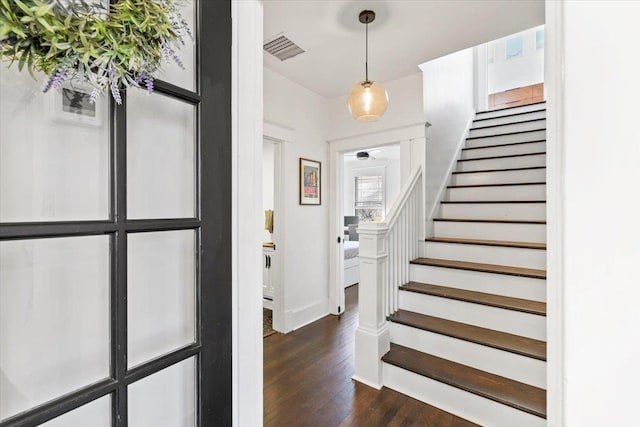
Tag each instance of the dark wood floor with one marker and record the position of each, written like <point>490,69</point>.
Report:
<point>307,381</point>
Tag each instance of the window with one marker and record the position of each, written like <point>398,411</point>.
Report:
<point>369,200</point>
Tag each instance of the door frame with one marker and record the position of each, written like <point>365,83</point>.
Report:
<point>276,134</point>
<point>405,137</point>
<point>246,208</point>
<point>554,95</point>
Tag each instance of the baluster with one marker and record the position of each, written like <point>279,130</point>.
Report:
<point>407,242</point>
<point>395,265</point>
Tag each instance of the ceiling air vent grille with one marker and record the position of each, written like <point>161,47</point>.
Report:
<point>282,48</point>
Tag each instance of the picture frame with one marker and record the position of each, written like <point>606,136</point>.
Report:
<point>310,181</point>
<point>70,103</point>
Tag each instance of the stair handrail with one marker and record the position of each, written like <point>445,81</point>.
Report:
<point>405,192</point>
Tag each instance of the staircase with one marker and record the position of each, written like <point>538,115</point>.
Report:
<point>469,332</point>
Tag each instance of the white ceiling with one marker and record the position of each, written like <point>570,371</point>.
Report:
<point>406,33</point>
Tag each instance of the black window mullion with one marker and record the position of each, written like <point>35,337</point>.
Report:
<point>119,280</point>
<point>68,402</point>
<point>169,89</point>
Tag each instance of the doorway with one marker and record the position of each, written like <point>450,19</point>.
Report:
<point>272,241</point>
<point>114,251</point>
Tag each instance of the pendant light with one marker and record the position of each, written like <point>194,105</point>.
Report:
<point>367,100</point>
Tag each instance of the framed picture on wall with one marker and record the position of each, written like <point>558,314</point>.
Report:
<point>71,103</point>
<point>310,178</point>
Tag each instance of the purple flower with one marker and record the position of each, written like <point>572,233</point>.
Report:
<point>113,80</point>
<point>148,83</point>
<point>55,80</point>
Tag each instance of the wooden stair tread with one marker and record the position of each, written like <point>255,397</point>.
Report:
<point>488,337</point>
<point>503,243</point>
<point>484,268</point>
<point>507,115</point>
<point>505,134</point>
<point>491,201</point>
<point>499,301</point>
<point>504,145</point>
<point>515,106</point>
<point>518,395</point>
<point>509,124</point>
<point>504,157</point>
<point>501,170</point>
<point>497,221</point>
<point>513,184</point>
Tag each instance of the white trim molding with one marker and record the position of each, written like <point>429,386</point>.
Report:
<point>554,90</point>
<point>247,134</point>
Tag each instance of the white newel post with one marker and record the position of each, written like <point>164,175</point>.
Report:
<point>372,334</point>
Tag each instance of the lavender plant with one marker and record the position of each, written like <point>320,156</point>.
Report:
<point>110,48</point>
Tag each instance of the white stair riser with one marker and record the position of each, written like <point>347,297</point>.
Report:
<point>506,139</point>
<point>506,364</point>
<point>506,211</point>
<point>516,257</point>
<point>509,111</point>
<point>503,177</point>
<point>510,119</point>
<point>506,150</point>
<point>507,192</point>
<point>502,163</point>
<point>467,405</point>
<point>516,232</point>
<point>499,319</point>
<point>491,283</point>
<point>510,128</point>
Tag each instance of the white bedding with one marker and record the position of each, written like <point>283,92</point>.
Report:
<point>351,249</point>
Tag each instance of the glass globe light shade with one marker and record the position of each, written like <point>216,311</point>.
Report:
<point>367,101</point>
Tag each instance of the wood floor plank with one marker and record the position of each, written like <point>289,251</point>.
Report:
<point>501,340</point>
<point>499,301</point>
<point>485,268</point>
<point>503,390</point>
<point>307,381</point>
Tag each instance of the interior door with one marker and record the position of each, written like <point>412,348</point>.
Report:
<point>115,237</point>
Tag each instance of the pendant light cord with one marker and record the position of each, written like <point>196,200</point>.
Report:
<point>366,50</point>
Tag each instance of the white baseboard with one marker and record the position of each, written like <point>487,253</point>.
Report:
<point>296,319</point>
<point>367,383</point>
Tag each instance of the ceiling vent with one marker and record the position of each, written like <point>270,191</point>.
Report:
<point>282,48</point>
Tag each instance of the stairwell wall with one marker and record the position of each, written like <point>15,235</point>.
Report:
<point>448,84</point>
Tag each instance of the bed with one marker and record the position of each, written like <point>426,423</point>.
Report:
<point>351,263</point>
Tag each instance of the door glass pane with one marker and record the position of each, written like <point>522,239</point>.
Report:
<point>171,71</point>
<point>94,414</point>
<point>160,157</point>
<point>54,151</point>
<point>166,398</point>
<point>161,293</point>
<point>54,318</point>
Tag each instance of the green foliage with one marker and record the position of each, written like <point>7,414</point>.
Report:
<point>109,48</point>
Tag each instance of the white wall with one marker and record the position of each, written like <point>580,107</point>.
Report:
<point>449,106</point>
<point>525,70</point>
<point>600,198</point>
<point>405,108</point>
<point>391,168</point>
<point>267,181</point>
<point>306,250</point>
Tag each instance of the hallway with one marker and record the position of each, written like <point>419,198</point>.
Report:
<point>307,381</point>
